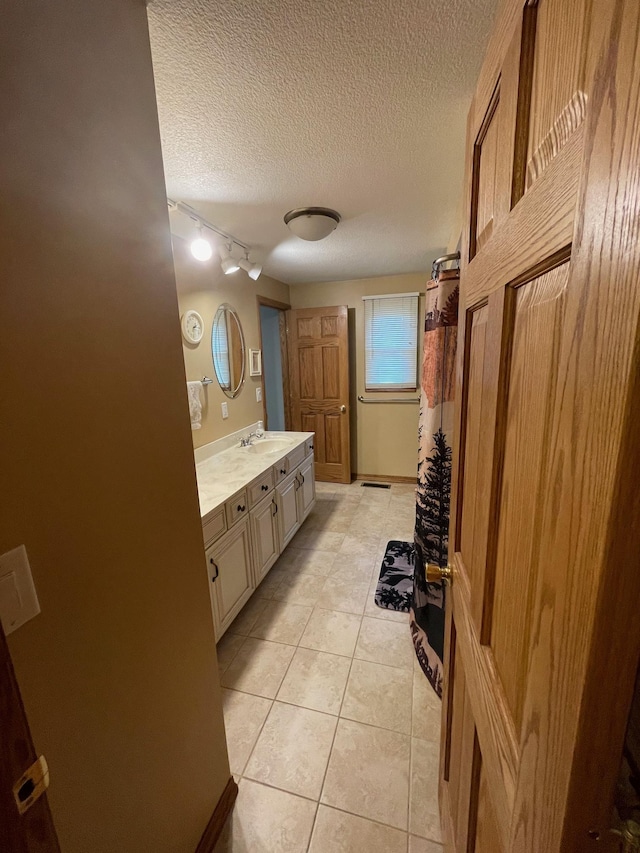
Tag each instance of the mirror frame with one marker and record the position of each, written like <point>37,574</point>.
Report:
<point>226,310</point>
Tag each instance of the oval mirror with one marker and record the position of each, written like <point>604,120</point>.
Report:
<point>227,349</point>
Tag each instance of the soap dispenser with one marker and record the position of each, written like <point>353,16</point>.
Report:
<point>260,430</point>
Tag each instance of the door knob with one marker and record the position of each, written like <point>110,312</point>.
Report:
<point>343,409</point>
<point>436,574</point>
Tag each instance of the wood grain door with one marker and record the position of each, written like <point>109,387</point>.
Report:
<point>319,373</point>
<point>542,632</point>
<point>33,831</point>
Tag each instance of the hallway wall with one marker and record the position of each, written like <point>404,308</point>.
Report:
<point>118,673</point>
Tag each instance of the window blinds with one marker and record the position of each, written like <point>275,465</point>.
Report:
<point>391,342</point>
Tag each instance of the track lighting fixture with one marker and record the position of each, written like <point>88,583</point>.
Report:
<point>252,270</point>
<point>200,247</point>
<point>228,263</point>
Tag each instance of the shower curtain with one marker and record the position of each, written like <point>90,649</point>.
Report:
<point>434,470</point>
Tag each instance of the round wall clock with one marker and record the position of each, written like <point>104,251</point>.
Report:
<point>192,327</point>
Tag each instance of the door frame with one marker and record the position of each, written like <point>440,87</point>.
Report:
<point>283,307</point>
<point>34,831</point>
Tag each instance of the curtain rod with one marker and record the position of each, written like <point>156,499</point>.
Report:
<point>390,400</point>
<point>444,259</point>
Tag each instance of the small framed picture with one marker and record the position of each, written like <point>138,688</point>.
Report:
<point>255,362</point>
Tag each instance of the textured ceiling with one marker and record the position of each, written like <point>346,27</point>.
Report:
<point>267,105</point>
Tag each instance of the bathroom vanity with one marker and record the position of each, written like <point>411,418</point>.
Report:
<point>252,501</point>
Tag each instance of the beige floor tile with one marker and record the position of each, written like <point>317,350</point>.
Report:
<point>371,608</point>
<point>424,814</point>
<point>259,668</point>
<point>368,773</point>
<point>302,561</point>
<point>266,820</point>
<point>293,750</point>
<point>379,695</point>
<point>245,620</point>
<point>227,649</point>
<point>386,642</point>
<point>421,845</point>
<point>353,567</point>
<point>281,622</point>
<point>344,595</point>
<point>355,547</point>
<point>269,585</point>
<point>338,832</point>
<point>315,680</point>
<point>244,715</point>
<point>329,631</point>
<point>427,709</point>
<point>300,589</point>
<point>318,540</point>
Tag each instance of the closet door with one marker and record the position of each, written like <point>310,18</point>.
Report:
<point>542,632</point>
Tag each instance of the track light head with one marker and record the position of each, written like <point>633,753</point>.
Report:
<point>228,264</point>
<point>201,247</point>
<point>252,270</point>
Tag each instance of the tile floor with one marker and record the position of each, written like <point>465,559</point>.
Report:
<point>333,730</point>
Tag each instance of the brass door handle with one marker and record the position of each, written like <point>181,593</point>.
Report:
<point>343,409</point>
<point>436,574</point>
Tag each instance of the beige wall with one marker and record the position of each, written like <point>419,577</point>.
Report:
<point>118,673</point>
<point>203,287</point>
<point>386,435</point>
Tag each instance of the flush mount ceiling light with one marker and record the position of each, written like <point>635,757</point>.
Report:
<point>312,223</point>
<point>228,263</point>
<point>252,270</point>
<point>200,247</point>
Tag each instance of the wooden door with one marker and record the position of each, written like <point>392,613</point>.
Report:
<point>33,831</point>
<point>542,632</point>
<point>319,372</point>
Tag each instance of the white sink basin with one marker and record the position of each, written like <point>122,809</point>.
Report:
<point>269,445</point>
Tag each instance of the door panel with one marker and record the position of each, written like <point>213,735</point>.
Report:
<point>319,367</point>
<point>558,98</point>
<point>540,619</point>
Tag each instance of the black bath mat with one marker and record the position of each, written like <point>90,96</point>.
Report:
<point>395,584</point>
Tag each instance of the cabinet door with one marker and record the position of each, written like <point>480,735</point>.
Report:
<point>229,565</point>
<point>286,497</point>
<point>264,537</point>
<point>307,490</point>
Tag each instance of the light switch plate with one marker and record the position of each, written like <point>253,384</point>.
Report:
<point>258,394</point>
<point>225,411</point>
<point>18,597</point>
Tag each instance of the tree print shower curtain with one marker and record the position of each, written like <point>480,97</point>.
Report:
<point>434,470</point>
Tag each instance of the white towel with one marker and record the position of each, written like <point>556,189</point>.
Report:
<point>195,404</point>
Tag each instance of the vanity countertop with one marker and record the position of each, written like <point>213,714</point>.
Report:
<point>223,474</point>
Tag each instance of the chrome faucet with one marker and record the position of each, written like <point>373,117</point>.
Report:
<point>246,441</point>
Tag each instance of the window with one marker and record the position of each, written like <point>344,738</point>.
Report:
<point>391,342</point>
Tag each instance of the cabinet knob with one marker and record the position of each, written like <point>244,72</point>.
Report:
<point>241,507</point>
<point>265,488</point>
<point>283,470</point>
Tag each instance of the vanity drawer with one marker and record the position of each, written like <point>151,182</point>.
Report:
<point>281,470</point>
<point>260,488</point>
<point>308,446</point>
<point>236,507</point>
<point>214,527</point>
<point>296,457</point>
